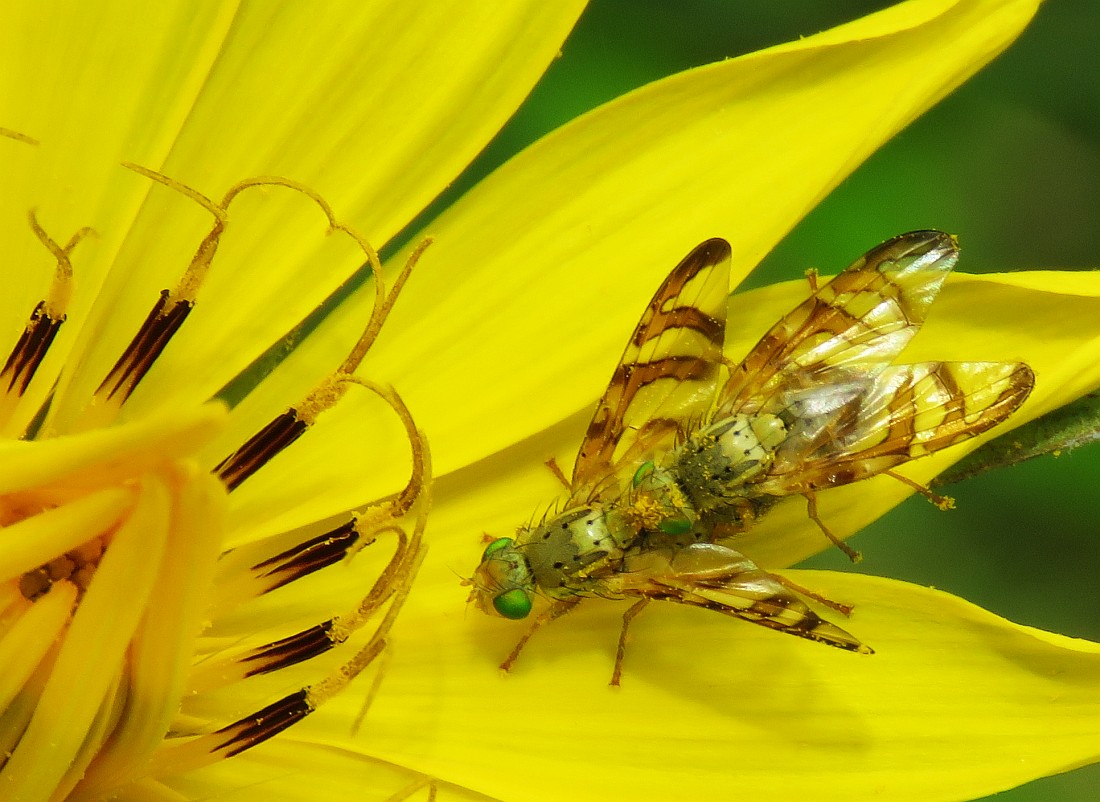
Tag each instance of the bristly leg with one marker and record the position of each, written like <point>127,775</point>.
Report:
<point>555,469</point>
<point>620,651</point>
<point>554,611</point>
<point>812,277</point>
<point>945,503</point>
<point>418,784</point>
<point>811,511</point>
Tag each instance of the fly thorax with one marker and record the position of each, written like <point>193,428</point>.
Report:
<point>657,503</point>
<point>563,550</point>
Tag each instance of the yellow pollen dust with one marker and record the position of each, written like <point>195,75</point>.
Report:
<point>645,512</point>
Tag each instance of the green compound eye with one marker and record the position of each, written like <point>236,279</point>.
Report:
<point>496,546</point>
<point>513,603</point>
<point>643,471</point>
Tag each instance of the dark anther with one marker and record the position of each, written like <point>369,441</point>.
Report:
<point>33,344</point>
<point>264,724</point>
<point>291,650</point>
<point>261,447</point>
<point>309,556</point>
<point>159,327</point>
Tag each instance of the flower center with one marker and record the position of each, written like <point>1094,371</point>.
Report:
<point>115,568</point>
<point>76,566</point>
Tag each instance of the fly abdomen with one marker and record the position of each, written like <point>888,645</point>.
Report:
<point>717,464</point>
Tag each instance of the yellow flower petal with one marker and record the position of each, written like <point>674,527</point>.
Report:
<point>955,703</point>
<point>772,709</point>
<point>933,650</point>
<point>975,318</point>
<point>292,770</point>
<point>546,265</point>
<point>164,645</point>
<point>402,97</point>
<point>55,743</point>
<point>68,87</point>
<point>376,113</point>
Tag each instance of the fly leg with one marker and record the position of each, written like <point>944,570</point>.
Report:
<point>555,469</point>
<point>811,510</point>
<point>620,652</point>
<point>419,784</point>
<point>555,610</point>
<point>943,502</point>
<point>811,278</point>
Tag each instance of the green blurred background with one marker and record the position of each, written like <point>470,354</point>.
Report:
<point>1010,163</point>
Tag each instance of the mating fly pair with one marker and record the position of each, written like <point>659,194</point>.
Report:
<point>687,449</point>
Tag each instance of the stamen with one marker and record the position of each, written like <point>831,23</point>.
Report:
<point>372,693</point>
<point>297,648</point>
<point>319,552</point>
<point>120,603</point>
<point>165,319</point>
<point>288,426</point>
<point>308,556</point>
<point>173,306</point>
<point>400,585</point>
<point>260,448</point>
<point>74,567</point>
<point>44,323</point>
<point>66,728</point>
<point>263,724</point>
<point>322,637</point>
<point>62,543</point>
<point>421,472</point>
<point>392,586</point>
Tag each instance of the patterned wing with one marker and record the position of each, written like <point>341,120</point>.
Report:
<point>905,412</point>
<point>863,317</point>
<point>723,580</point>
<point>668,373</point>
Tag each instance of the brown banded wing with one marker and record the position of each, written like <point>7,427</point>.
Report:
<point>825,370</point>
<point>668,374</point>
<point>905,412</point>
<point>723,580</point>
<point>862,318</point>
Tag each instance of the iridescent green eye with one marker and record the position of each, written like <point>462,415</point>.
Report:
<point>496,546</point>
<point>513,603</point>
<point>643,471</point>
